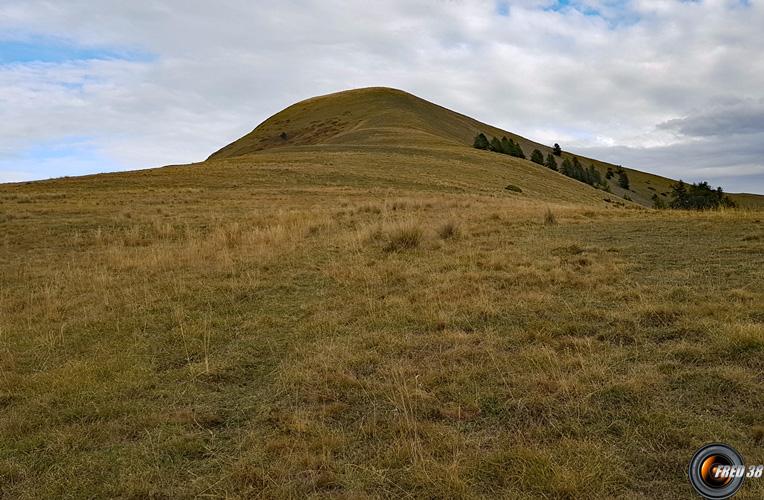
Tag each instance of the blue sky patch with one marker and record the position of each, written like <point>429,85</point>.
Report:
<point>56,50</point>
<point>69,156</point>
<point>615,12</point>
<point>562,5</point>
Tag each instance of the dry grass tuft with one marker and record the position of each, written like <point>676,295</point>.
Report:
<point>402,236</point>
<point>549,218</point>
<point>368,208</point>
<point>448,230</point>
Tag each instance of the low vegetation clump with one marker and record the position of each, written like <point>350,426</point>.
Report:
<point>369,208</point>
<point>549,218</point>
<point>698,197</point>
<point>513,188</point>
<point>448,230</point>
<point>404,236</point>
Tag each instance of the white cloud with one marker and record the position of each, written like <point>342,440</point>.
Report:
<point>637,80</point>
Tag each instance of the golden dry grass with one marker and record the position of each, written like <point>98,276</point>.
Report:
<point>244,328</point>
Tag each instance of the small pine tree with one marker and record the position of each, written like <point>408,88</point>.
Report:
<point>567,167</point>
<point>609,174</point>
<point>679,195</point>
<point>551,162</point>
<point>578,171</point>
<point>537,157</point>
<point>594,175</point>
<point>496,145</point>
<point>557,150</point>
<point>512,148</point>
<point>623,179</point>
<point>481,141</point>
<point>518,151</point>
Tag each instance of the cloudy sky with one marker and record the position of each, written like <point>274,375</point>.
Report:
<point>672,87</point>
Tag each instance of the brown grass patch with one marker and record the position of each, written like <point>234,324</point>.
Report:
<point>448,230</point>
<point>549,218</point>
<point>402,236</point>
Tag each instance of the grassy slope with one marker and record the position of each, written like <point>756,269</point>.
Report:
<point>383,116</point>
<point>301,321</point>
<point>238,328</point>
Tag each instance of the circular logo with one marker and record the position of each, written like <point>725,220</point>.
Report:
<point>713,471</point>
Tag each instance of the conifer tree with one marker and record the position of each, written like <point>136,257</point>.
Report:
<point>496,145</point>
<point>507,146</point>
<point>623,179</point>
<point>551,162</point>
<point>481,141</point>
<point>594,175</point>
<point>578,171</point>
<point>518,151</point>
<point>537,157</point>
<point>679,195</point>
<point>557,150</point>
<point>567,167</point>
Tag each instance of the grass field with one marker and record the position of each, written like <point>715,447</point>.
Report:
<point>370,321</point>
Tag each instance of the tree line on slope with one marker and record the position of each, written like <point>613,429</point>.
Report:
<point>503,145</point>
<point>698,196</point>
<point>570,168</point>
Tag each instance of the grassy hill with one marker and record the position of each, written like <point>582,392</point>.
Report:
<point>385,117</point>
<point>365,311</point>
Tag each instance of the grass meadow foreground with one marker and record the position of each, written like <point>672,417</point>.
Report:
<point>194,341</point>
